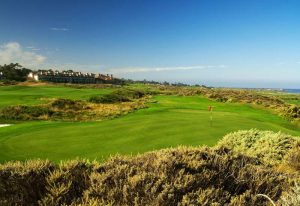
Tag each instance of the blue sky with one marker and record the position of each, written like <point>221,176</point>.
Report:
<point>213,42</point>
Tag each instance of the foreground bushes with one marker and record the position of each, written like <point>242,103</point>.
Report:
<point>23,183</point>
<point>186,176</point>
<point>182,176</point>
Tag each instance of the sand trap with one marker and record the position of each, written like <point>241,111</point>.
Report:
<point>4,125</point>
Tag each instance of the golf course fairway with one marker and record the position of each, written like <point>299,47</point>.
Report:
<point>171,121</point>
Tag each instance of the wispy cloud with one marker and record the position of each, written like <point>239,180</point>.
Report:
<point>59,29</point>
<point>13,52</point>
<point>160,69</point>
<point>73,66</point>
<point>33,48</point>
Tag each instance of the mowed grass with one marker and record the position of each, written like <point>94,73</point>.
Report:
<point>172,121</point>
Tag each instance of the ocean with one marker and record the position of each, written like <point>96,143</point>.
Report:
<point>293,91</point>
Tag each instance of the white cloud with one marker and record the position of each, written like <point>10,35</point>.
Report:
<point>160,69</point>
<point>33,48</point>
<point>13,52</point>
<point>59,29</point>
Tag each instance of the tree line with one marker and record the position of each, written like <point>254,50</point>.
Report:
<point>13,72</point>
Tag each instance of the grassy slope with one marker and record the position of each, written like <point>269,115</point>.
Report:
<point>170,122</point>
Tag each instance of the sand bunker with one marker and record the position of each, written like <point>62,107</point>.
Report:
<point>4,125</point>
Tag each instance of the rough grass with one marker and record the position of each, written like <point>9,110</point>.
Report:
<point>69,110</point>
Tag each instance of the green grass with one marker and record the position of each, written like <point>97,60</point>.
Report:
<point>172,121</point>
<point>29,95</point>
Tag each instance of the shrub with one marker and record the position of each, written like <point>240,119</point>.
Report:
<point>66,184</point>
<point>292,111</point>
<point>267,146</point>
<point>292,197</point>
<point>7,82</point>
<point>23,112</point>
<point>69,110</point>
<point>292,159</point>
<point>182,176</point>
<point>23,183</point>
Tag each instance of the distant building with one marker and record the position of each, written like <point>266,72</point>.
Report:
<point>70,77</point>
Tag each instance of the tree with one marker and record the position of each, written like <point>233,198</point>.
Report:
<point>14,72</point>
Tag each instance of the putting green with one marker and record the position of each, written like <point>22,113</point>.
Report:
<point>170,122</point>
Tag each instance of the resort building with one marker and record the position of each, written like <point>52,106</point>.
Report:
<point>70,76</point>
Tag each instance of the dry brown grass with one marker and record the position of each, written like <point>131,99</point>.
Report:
<point>71,110</point>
